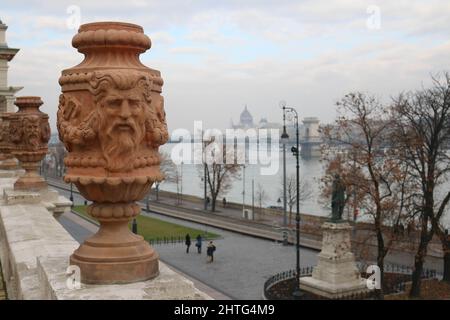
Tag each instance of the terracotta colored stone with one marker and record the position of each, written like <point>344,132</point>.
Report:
<point>7,161</point>
<point>111,119</point>
<point>25,135</point>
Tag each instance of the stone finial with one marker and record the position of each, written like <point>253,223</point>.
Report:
<point>26,134</point>
<point>111,120</point>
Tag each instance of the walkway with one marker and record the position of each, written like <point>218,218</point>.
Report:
<point>242,263</point>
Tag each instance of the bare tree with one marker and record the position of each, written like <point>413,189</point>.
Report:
<point>375,180</point>
<point>423,134</point>
<point>219,174</point>
<point>170,171</point>
<point>261,196</point>
<point>305,192</point>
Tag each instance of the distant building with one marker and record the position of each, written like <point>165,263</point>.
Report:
<point>7,93</point>
<point>246,122</point>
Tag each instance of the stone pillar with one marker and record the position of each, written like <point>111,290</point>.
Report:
<point>29,133</point>
<point>111,119</point>
<point>336,274</point>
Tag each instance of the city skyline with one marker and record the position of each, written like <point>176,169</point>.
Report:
<point>215,59</point>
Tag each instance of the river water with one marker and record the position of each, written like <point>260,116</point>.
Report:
<point>311,170</point>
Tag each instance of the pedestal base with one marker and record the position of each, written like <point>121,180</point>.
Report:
<point>333,290</point>
<point>336,274</point>
<point>115,255</point>
<point>30,182</point>
<point>9,164</point>
<point>117,272</point>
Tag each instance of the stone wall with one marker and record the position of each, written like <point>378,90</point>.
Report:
<point>34,255</point>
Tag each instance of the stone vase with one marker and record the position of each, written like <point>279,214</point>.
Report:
<point>111,119</point>
<point>28,134</point>
<point>7,161</point>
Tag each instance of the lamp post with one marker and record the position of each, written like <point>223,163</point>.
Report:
<point>295,150</point>
<point>243,190</point>
<point>284,141</point>
<point>204,173</point>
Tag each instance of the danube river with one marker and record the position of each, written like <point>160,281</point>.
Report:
<point>310,170</point>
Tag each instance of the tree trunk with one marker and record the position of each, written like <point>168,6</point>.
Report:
<point>418,269</point>
<point>380,263</point>
<point>213,203</point>
<point>380,256</point>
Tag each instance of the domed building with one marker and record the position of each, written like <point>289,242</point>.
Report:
<point>245,120</point>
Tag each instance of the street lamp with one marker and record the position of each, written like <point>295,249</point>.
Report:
<point>204,144</point>
<point>295,150</point>
<point>284,141</point>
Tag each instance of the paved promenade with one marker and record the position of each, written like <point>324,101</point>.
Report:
<point>242,263</point>
<point>268,228</point>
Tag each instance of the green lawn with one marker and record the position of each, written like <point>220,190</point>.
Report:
<point>152,228</point>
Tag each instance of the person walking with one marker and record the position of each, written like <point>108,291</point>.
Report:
<point>210,251</point>
<point>198,244</point>
<point>224,201</point>
<point>188,242</point>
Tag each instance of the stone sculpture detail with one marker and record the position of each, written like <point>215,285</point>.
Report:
<point>7,160</point>
<point>25,135</point>
<point>111,120</point>
<point>337,199</point>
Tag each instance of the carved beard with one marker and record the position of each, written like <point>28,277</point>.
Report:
<point>119,146</point>
<point>33,140</point>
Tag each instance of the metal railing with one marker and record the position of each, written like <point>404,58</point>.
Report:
<point>396,288</point>
<point>281,276</point>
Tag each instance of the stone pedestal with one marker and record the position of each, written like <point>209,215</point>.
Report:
<point>336,274</point>
<point>48,198</point>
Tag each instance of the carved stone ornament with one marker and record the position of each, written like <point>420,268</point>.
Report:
<point>25,135</point>
<point>111,120</point>
<point>7,160</point>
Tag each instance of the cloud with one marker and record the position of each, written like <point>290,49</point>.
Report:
<point>216,58</point>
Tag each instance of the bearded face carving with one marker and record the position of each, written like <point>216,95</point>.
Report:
<point>126,120</point>
<point>121,127</point>
<point>32,131</point>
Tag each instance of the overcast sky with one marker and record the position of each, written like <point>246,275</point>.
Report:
<point>217,56</point>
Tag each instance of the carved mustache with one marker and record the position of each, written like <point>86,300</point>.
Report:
<point>124,124</point>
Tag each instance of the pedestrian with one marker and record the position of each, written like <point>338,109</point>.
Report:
<point>207,202</point>
<point>210,251</point>
<point>224,201</point>
<point>198,244</point>
<point>188,242</point>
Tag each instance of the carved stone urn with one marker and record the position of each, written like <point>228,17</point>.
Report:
<point>25,136</point>
<point>7,161</point>
<point>111,119</point>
